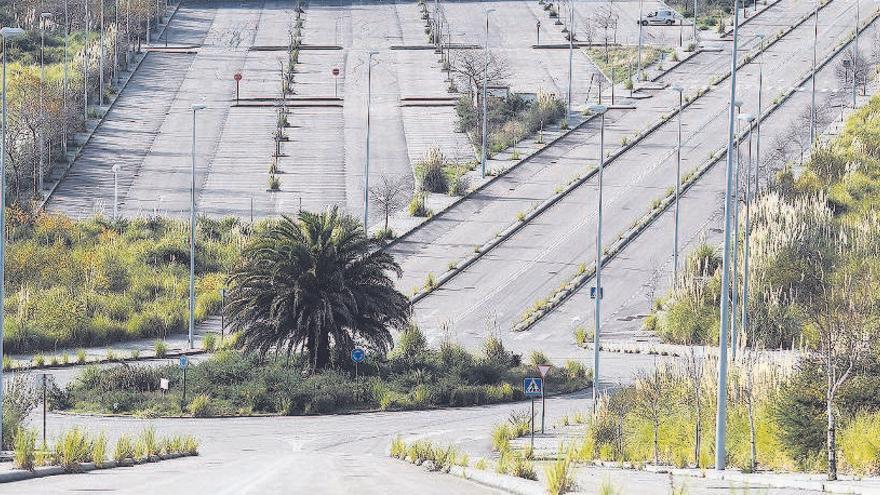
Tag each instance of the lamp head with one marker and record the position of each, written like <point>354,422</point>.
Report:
<point>47,15</point>
<point>677,87</point>
<point>199,106</point>
<point>746,117</point>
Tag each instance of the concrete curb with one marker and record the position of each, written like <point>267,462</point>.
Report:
<point>573,285</point>
<point>761,479</point>
<point>84,467</point>
<point>73,364</point>
<point>502,482</point>
<point>76,155</point>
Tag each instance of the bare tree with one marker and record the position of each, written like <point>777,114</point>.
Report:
<point>853,65</point>
<point>390,194</point>
<point>471,68</point>
<point>845,314</point>
<point>650,401</point>
<point>746,392</point>
<point>694,370</point>
<point>606,19</point>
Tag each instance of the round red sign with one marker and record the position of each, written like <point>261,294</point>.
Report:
<point>237,77</point>
<point>335,71</point>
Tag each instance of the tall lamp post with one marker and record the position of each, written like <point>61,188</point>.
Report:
<point>570,57</point>
<point>680,91</point>
<point>7,34</point>
<point>367,158</point>
<point>721,411</point>
<point>735,268</point>
<point>748,119</point>
<point>598,110</point>
<point>192,229</point>
<point>44,17</point>
<point>484,155</point>
<point>813,75</point>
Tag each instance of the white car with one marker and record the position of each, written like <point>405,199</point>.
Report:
<point>662,17</point>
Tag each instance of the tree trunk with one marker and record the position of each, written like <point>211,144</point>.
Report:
<point>832,441</point>
<point>753,459</point>
<point>656,442</point>
<point>698,431</point>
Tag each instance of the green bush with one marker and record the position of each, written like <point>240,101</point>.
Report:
<point>430,173</point>
<point>200,406</point>
<point>73,448</point>
<point>209,342</point>
<point>99,450</point>
<point>124,449</point>
<point>559,476</point>
<point>25,445</point>
<point>417,207</point>
<point>160,348</point>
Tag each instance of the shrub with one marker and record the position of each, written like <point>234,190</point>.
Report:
<point>124,449</point>
<point>7,363</point>
<point>538,357</point>
<point>429,171</point>
<point>398,448</point>
<point>417,207</point>
<point>559,477</point>
<point>501,437</point>
<point>860,444</point>
<point>80,356</point>
<point>39,361</point>
<point>521,467</point>
<point>411,342</point>
<point>190,445</point>
<point>99,450</point>
<point>160,348</point>
<point>73,448</point>
<point>149,442</point>
<point>209,342</point>
<point>274,183</point>
<point>200,406</point>
<point>25,445</point>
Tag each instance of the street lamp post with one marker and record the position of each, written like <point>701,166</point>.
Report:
<point>86,65</point>
<point>680,91</point>
<point>735,269</point>
<point>41,142</point>
<point>367,158</point>
<point>192,229</point>
<point>758,119</point>
<point>7,33</point>
<point>745,298</point>
<point>813,75</point>
<point>570,57</point>
<point>599,110</point>
<point>721,411</point>
<point>484,155</point>
<point>639,52</point>
<point>855,55</point>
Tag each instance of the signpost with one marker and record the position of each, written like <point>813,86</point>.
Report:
<point>335,72</point>
<point>183,364</point>
<point>358,354</point>
<point>237,78</point>
<point>543,369</point>
<point>533,387</point>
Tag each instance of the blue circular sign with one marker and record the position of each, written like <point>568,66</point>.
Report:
<point>358,354</point>
<point>183,362</point>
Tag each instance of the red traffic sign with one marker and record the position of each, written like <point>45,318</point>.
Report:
<point>335,71</point>
<point>543,369</point>
<point>237,76</point>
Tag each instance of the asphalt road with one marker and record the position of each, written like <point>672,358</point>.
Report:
<point>321,454</point>
<point>539,257</point>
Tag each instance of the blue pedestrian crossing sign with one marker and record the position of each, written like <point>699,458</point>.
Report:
<point>533,387</point>
<point>358,354</point>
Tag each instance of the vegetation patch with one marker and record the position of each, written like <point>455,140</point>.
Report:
<point>230,383</point>
<point>89,282</point>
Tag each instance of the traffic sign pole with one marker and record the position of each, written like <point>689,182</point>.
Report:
<point>533,424</point>
<point>543,369</point>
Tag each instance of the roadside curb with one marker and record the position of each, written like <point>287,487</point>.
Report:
<point>505,483</point>
<point>84,467</point>
<point>103,117</point>
<point>767,479</point>
<point>72,364</point>
<point>573,285</point>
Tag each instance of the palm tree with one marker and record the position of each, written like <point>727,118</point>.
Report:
<point>313,284</point>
